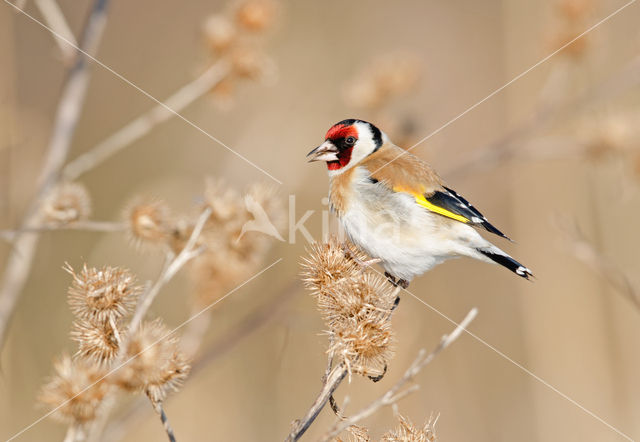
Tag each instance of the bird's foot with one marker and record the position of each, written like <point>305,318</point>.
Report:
<point>403,283</point>
<point>391,278</point>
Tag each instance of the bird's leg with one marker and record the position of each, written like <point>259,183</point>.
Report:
<point>403,283</point>
<point>391,278</point>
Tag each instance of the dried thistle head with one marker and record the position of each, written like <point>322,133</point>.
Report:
<point>385,79</point>
<point>220,33</point>
<point>67,203</point>
<point>356,434</point>
<point>250,63</point>
<point>148,222</point>
<point>237,237</point>
<point>102,295</point>
<point>256,15</point>
<point>327,264</point>
<point>98,342</point>
<point>364,343</point>
<point>353,297</point>
<point>574,10</point>
<point>407,432</point>
<point>154,362</point>
<point>66,388</point>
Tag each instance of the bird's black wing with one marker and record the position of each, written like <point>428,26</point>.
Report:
<point>451,201</point>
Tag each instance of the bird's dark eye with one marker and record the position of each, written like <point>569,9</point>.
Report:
<point>350,141</point>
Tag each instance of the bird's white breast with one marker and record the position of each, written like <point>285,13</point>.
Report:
<point>391,226</point>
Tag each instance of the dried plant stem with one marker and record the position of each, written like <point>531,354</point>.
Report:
<point>169,270</point>
<point>143,124</point>
<point>503,149</point>
<point>165,421</point>
<point>21,257</point>
<point>331,382</point>
<point>396,392</point>
<point>269,312</point>
<point>74,434</point>
<point>90,226</point>
<point>55,19</point>
<point>189,252</point>
<point>586,252</point>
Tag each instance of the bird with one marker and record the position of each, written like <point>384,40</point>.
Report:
<point>394,206</point>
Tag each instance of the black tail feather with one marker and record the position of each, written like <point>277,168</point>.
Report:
<point>508,262</point>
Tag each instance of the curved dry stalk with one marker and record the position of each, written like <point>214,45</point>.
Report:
<point>330,383</point>
<point>396,392</point>
<point>586,252</point>
<point>143,124</point>
<point>189,252</point>
<point>55,19</point>
<point>21,257</point>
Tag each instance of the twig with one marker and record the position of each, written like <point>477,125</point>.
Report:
<point>337,374</point>
<point>501,150</point>
<point>21,257</point>
<point>268,312</point>
<point>169,270</point>
<point>396,392</point>
<point>90,226</point>
<point>55,19</point>
<point>165,421</point>
<point>143,124</point>
<point>585,251</point>
<point>186,254</point>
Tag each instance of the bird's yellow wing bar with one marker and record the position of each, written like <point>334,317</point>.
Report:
<point>422,201</point>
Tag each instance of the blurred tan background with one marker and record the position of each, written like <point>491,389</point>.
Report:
<point>569,326</point>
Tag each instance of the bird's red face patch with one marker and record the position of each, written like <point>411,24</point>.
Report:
<point>341,131</point>
<point>337,134</point>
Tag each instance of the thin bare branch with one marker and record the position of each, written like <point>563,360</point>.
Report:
<point>143,124</point>
<point>586,252</point>
<point>186,254</point>
<point>89,226</point>
<point>331,382</point>
<point>21,257</point>
<point>397,391</point>
<point>54,18</point>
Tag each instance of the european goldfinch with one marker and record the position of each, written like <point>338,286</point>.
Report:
<point>396,208</point>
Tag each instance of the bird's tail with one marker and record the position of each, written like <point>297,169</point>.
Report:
<point>499,257</point>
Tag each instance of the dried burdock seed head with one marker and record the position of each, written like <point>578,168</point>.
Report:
<point>154,363</point>
<point>328,263</point>
<point>223,200</point>
<point>256,15</point>
<point>356,434</point>
<point>102,295</point>
<point>383,80</point>
<point>175,373</point>
<point>574,10</point>
<point>610,134</point>
<point>219,32</point>
<point>250,63</point>
<point>353,298</point>
<point>66,387</point>
<point>97,341</point>
<point>148,222</point>
<point>364,343</point>
<point>67,203</point>
<point>407,432</point>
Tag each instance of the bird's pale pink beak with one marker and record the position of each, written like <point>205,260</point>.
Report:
<point>327,151</point>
